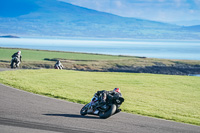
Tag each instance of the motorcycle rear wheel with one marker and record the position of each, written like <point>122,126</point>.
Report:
<point>108,113</point>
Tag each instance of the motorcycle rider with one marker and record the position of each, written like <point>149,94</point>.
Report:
<point>105,96</point>
<point>18,56</point>
<point>58,65</point>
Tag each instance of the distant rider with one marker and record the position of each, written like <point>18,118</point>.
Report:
<point>58,65</point>
<point>17,57</point>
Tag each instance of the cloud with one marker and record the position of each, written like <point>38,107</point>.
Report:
<point>118,3</point>
<point>178,3</point>
<point>197,2</point>
<point>161,0</point>
<point>158,10</point>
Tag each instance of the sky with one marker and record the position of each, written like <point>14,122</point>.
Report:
<point>171,11</point>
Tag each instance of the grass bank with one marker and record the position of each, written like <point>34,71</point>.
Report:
<point>168,97</point>
<point>97,62</point>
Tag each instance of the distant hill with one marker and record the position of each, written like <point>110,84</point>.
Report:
<point>9,36</point>
<point>187,23</point>
<point>42,18</point>
<point>192,28</point>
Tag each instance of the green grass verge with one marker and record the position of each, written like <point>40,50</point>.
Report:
<point>163,96</point>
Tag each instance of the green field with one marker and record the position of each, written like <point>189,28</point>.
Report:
<point>39,55</point>
<point>168,97</point>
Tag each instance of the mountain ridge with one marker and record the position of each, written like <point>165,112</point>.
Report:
<point>57,18</point>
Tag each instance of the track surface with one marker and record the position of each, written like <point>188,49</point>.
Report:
<point>24,112</point>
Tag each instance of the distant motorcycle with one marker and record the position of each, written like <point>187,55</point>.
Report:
<point>57,67</point>
<point>15,62</point>
<point>110,108</point>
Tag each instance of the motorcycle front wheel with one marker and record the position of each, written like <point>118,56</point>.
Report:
<point>83,111</point>
<point>13,64</point>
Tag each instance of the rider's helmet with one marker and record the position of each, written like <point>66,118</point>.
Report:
<point>117,90</point>
<point>19,52</point>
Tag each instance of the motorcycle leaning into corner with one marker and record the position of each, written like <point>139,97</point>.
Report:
<point>16,59</point>
<point>58,65</point>
<point>110,108</point>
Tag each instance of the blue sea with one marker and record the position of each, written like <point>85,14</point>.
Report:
<point>165,49</point>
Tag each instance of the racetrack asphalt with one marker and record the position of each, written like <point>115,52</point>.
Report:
<point>24,112</point>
